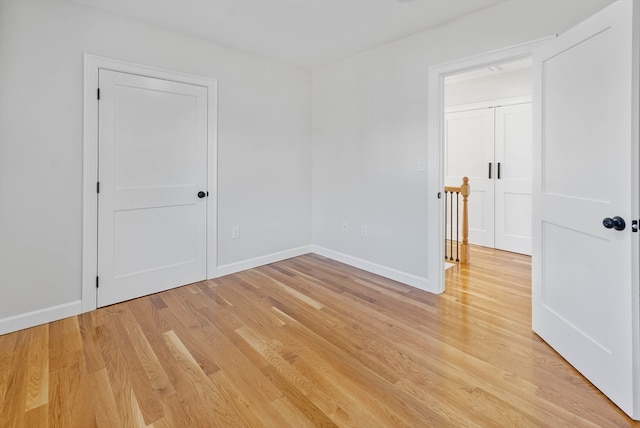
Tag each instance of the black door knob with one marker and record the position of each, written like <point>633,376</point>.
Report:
<point>616,223</point>
<point>201,194</point>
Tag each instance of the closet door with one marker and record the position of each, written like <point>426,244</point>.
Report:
<point>469,151</point>
<point>513,205</point>
<point>152,211</point>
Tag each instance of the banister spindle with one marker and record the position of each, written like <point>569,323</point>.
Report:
<point>465,189</point>
<point>462,248</point>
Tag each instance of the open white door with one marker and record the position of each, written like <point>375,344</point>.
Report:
<point>584,292</point>
<point>152,211</point>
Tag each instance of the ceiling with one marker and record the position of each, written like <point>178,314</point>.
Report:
<point>308,33</point>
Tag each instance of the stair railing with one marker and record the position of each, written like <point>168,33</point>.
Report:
<point>453,245</point>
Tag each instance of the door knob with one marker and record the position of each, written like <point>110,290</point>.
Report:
<point>201,194</point>
<point>616,223</point>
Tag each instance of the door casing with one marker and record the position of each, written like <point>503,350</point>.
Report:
<point>92,64</point>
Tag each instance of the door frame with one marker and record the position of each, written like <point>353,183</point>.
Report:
<point>92,64</point>
<point>435,143</point>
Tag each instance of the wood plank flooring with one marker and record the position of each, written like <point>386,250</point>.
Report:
<point>301,343</point>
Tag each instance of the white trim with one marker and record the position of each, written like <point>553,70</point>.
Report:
<point>491,58</point>
<point>92,64</point>
<point>499,102</point>
<point>230,268</point>
<point>635,180</point>
<point>435,118</point>
<point>41,316</point>
<point>396,275</point>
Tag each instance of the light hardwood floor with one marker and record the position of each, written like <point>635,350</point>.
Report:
<point>304,342</point>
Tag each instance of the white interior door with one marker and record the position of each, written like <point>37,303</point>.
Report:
<point>152,165</point>
<point>469,151</point>
<point>584,282</point>
<point>513,178</point>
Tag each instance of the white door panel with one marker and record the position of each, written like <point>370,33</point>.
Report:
<point>469,150</point>
<point>513,222</point>
<point>149,122</point>
<point>583,282</point>
<point>139,229</point>
<point>513,181</point>
<point>152,164</point>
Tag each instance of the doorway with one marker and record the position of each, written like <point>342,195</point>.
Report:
<point>131,196</point>
<point>436,111</point>
<point>488,138</point>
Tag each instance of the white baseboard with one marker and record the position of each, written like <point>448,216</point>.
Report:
<point>41,316</point>
<point>396,275</point>
<point>261,261</point>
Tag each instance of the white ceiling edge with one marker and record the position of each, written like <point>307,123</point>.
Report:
<point>306,33</point>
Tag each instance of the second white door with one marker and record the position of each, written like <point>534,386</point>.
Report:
<point>152,211</point>
<point>492,146</point>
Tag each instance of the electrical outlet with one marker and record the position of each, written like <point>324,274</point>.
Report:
<point>363,230</point>
<point>235,232</point>
<point>345,226</point>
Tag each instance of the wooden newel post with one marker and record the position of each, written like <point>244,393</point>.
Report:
<point>465,189</point>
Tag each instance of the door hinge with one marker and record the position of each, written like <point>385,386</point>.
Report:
<point>98,187</point>
<point>98,93</point>
<point>97,282</point>
<point>634,225</point>
<point>439,195</point>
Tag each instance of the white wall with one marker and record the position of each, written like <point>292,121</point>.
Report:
<point>263,143</point>
<point>370,132</point>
